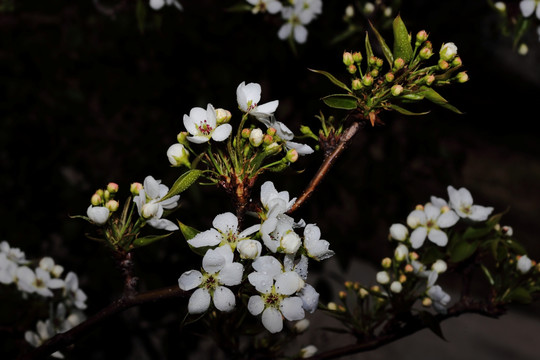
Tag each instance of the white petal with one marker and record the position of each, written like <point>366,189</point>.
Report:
<point>310,298</point>
<point>224,299</point>
<point>418,236</point>
<point>98,214</point>
<point>151,187</point>
<point>199,301</point>
<point>438,202</point>
<point>231,274</point>
<point>300,34</point>
<point>206,238</point>
<point>190,125</point>
<point>222,132</point>
<point>255,305</point>
<point>262,282</point>
<point>291,308</point>
<point>447,219</point>
<point>241,98</point>
<point>432,212</point>
<point>250,230</point>
<point>272,320</point>
<point>481,213</point>
<point>438,237</point>
<point>268,265</point>
<point>268,191</point>
<point>288,283</point>
<point>302,149</point>
<point>213,261</point>
<point>527,7</point>
<point>269,107</point>
<point>225,222</point>
<point>189,280</point>
<point>416,218</point>
<point>312,232</point>
<point>162,224</point>
<point>198,139</point>
<point>284,31</point>
<point>55,284</point>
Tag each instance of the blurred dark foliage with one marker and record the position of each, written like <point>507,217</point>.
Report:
<point>88,98</point>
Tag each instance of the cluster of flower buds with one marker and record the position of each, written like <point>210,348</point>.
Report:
<point>103,204</point>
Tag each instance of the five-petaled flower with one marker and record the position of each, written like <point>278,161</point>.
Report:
<point>202,125</point>
<point>428,222</point>
<point>151,206</point>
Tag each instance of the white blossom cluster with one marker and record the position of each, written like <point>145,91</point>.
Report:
<point>430,222</point>
<point>296,14</point>
<point>44,282</point>
<point>273,251</point>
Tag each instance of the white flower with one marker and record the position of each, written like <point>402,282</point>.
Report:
<point>528,8</point>
<point>14,255</point>
<point>272,6</point>
<point>275,202</point>
<point>448,51</point>
<point>439,266</point>
<point>219,271</point>
<point>178,155</point>
<point>39,282</point>
<point>8,270</point>
<point>300,14</point>
<point>158,4</point>
<point>308,351</point>
<point>44,331</point>
<point>248,97</point>
<point>461,202</point>
<point>249,249</point>
<point>383,277</point>
<point>316,248</point>
<point>225,231</point>
<point>73,294</point>
<point>399,232</point>
<point>98,214</point>
<point>439,297</point>
<point>275,288</point>
<point>202,125</point>
<point>151,207</point>
<point>524,264</point>
<point>428,222</point>
<point>396,287</point>
<point>401,252</point>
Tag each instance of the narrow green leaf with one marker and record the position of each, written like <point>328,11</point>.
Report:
<point>188,231</point>
<point>332,78</point>
<point>341,101</point>
<point>462,250</point>
<point>369,50</point>
<point>147,240</point>
<point>436,98</point>
<point>486,272</point>
<point>140,14</point>
<point>475,233</point>
<point>385,48</point>
<point>183,183</point>
<point>431,323</point>
<point>520,295</point>
<point>516,247</point>
<point>405,111</point>
<point>402,43</point>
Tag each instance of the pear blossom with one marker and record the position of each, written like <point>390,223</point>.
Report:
<point>524,264</point>
<point>270,6</point>
<point>38,281</point>
<point>151,207</point>
<point>316,248</point>
<point>218,272</point>
<point>440,298</point>
<point>399,232</point>
<point>158,4</point>
<point>396,287</point>
<point>178,155</point>
<point>461,202</point>
<point>8,270</point>
<point>98,214</point>
<point>44,331</point>
<point>249,249</point>
<point>275,202</point>
<point>13,254</point>
<point>73,294</point>
<point>428,222</point>
<point>276,289</point>
<point>301,13</point>
<point>225,232</point>
<point>202,125</point>
<point>248,97</point>
<point>528,7</point>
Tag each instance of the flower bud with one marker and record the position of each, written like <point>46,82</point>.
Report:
<point>96,199</point>
<point>182,137</point>
<point>290,242</point>
<point>443,64</point>
<point>256,137</point>
<point>524,264</point>
<point>399,63</point>
<point>507,230</point>
<point>500,6</point>
<point>112,187</point>
<point>399,232</point>
<point>301,326</point>
<point>429,79</point>
<point>349,11</point>
<point>439,266</point>
<point>367,80</point>
<point>292,155</point>
<point>382,277</point>
<point>348,59</point>
<point>272,148</point>
<point>112,205</point>
<point>386,262</point>
<point>448,51</point>
<point>389,77</point>
<point>178,155</point>
<point>374,72</point>
<point>245,133</point>
<point>375,288</point>
<point>348,284</point>
<point>396,287</point>
<point>332,306</point>
<point>369,8</point>
<point>98,214</point>
<point>462,77</point>
<point>421,37</point>
<point>308,351</point>
<point>357,57</point>
<point>425,53</point>
<point>57,270</point>
<point>249,249</point>
<point>135,187</point>
<point>379,63</point>
<point>426,302</point>
<point>414,255</point>
<point>46,263</point>
<point>401,252</point>
<point>408,268</point>
<point>356,84</point>
<point>271,131</point>
<point>396,90</point>
<point>456,62</point>
<point>351,69</point>
<point>149,210</point>
<point>363,293</point>
<point>222,116</point>
<point>307,131</point>
<point>342,295</point>
<point>402,278</point>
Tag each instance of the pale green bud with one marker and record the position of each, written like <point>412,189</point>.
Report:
<point>178,155</point>
<point>112,205</point>
<point>389,77</point>
<point>421,37</point>
<point>443,64</point>
<point>356,84</point>
<point>386,263</point>
<point>396,90</point>
<point>448,51</point>
<point>292,155</point>
<point>182,137</point>
<point>135,187</point>
<point>112,187</point>
<point>425,53</point>
<point>367,80</point>
<point>222,116</point>
<point>256,137</point>
<point>96,199</point>
<point>357,57</point>
<point>348,59</point>
<point>351,69</point>
<point>462,77</point>
<point>399,63</point>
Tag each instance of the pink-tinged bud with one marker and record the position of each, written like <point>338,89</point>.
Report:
<point>292,155</point>
<point>348,59</point>
<point>429,79</point>
<point>268,139</point>
<point>421,37</point>
<point>379,62</point>
<point>96,199</point>
<point>386,263</point>
<point>396,90</point>
<point>271,131</point>
<point>409,268</point>
<point>402,278</point>
<point>351,69</point>
<point>135,187</point>
<point>342,295</point>
<point>367,80</point>
<point>374,73</point>
<point>372,60</point>
<point>112,187</point>
<point>425,53</point>
<point>399,63</point>
<point>419,207</point>
<point>245,133</point>
<point>414,255</point>
<point>357,57</point>
<point>389,77</point>
<point>112,205</point>
<point>448,51</point>
<point>462,77</point>
<point>256,137</point>
<point>443,64</point>
<point>182,137</point>
<point>457,61</point>
<point>222,116</point>
<point>348,284</point>
<point>356,84</point>
<point>507,230</point>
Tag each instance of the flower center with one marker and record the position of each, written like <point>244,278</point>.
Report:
<point>466,209</point>
<point>205,129</point>
<point>272,299</point>
<point>210,283</point>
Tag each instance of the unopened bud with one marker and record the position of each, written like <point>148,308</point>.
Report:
<point>396,287</point>
<point>96,199</point>
<point>222,116</point>
<point>399,63</point>
<point>382,277</point>
<point>367,80</point>
<point>348,284</point>
<point>348,59</point>
<point>462,77</point>
<point>245,133</point>
<point>386,263</point>
<point>292,155</point>
<point>374,72</point>
<point>351,69</point>
<point>402,278</point>
<point>401,252</point>
<point>356,84</point>
<point>268,139</point>
<point>112,187</point>
<point>389,77</point>
<point>375,288</point>
<point>439,266</point>
<point>421,37</point>
<point>290,242</point>
<point>507,230</point>
<point>256,137</point>
<point>448,51</point>
<point>112,205</point>
<point>308,351</point>
<point>500,6</point>
<point>182,137</point>
<point>379,62</point>
<point>425,53</point>
<point>414,255</point>
<point>457,61</point>
<point>249,249</point>
<point>429,79</point>
<point>363,293</point>
<point>271,131</point>
<point>135,187</point>
<point>357,57</point>
<point>426,302</point>
<point>396,90</point>
<point>443,64</point>
<point>149,210</point>
<point>301,326</point>
<point>342,294</point>
<point>332,306</point>
<point>408,268</point>
<point>178,155</point>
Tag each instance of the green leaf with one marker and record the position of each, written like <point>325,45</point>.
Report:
<point>140,14</point>
<point>183,183</point>
<point>405,111</point>
<point>520,295</point>
<point>436,98</point>
<point>369,50</point>
<point>486,272</point>
<point>463,250</point>
<point>385,48</point>
<point>147,240</point>
<point>500,252</point>
<point>475,233</point>
<point>341,101</point>
<point>516,247</point>
<point>431,323</point>
<point>402,43</point>
<point>332,78</point>
<point>188,231</point>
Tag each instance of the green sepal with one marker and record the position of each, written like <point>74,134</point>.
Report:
<point>278,167</point>
<point>341,101</point>
<point>385,48</point>
<point>405,111</point>
<point>436,98</point>
<point>332,78</point>
<point>462,250</point>
<point>183,183</point>
<point>402,42</point>
<point>147,240</point>
<point>431,322</point>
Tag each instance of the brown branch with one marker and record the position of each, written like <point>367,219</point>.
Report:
<point>329,160</point>
<point>62,340</point>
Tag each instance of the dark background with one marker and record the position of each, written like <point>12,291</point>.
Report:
<point>88,98</point>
